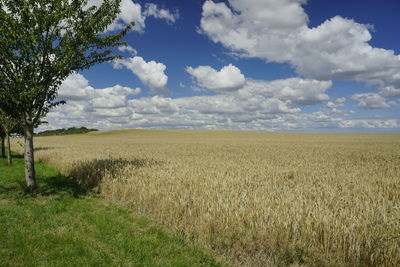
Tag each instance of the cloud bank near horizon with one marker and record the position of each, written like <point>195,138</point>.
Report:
<point>257,106</point>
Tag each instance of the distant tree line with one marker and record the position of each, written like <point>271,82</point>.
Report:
<point>63,131</point>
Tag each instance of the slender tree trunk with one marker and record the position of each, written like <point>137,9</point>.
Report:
<point>29,159</point>
<point>9,159</point>
<point>3,147</point>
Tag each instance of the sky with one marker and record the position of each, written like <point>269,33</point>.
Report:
<point>254,65</point>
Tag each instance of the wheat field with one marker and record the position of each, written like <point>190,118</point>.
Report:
<point>254,199</point>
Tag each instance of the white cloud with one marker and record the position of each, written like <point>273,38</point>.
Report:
<point>152,10</point>
<point>370,100</point>
<point>127,48</point>
<point>113,97</point>
<point>130,12</point>
<point>337,103</point>
<point>254,28</point>
<point>112,113</point>
<point>235,105</point>
<point>83,100</point>
<point>229,78</point>
<point>259,105</point>
<point>370,124</point>
<point>277,30</point>
<point>75,88</point>
<point>133,12</point>
<point>339,49</point>
<point>298,91</point>
<point>389,91</point>
<point>153,105</point>
<point>110,108</point>
<point>150,73</point>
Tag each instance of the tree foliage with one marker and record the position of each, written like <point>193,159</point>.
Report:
<point>2,133</point>
<point>7,122</point>
<point>2,143</point>
<point>41,43</point>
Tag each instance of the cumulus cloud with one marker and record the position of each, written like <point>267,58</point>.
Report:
<point>154,105</point>
<point>130,12</point>
<point>234,105</point>
<point>296,90</point>
<point>370,101</point>
<point>259,105</point>
<point>370,124</point>
<point>150,73</point>
<point>113,107</point>
<point>160,13</point>
<point>389,91</point>
<point>229,78</point>
<point>133,12</point>
<point>337,103</point>
<point>277,30</point>
<point>127,48</point>
<point>81,97</point>
<point>113,97</point>
<point>75,88</point>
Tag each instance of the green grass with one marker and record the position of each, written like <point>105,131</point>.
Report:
<point>65,225</point>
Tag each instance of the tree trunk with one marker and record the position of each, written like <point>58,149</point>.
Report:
<point>29,159</point>
<point>3,147</point>
<point>9,159</point>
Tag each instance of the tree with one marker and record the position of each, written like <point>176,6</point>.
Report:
<point>7,123</point>
<point>42,42</point>
<point>2,142</point>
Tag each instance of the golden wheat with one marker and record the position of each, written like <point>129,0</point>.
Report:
<point>255,198</point>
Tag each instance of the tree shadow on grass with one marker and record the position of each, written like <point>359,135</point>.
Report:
<point>14,155</point>
<point>84,178</point>
<point>59,186</point>
<point>8,191</point>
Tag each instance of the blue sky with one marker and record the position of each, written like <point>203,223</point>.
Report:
<point>263,65</point>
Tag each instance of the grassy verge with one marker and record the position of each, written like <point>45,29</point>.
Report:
<point>64,225</point>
